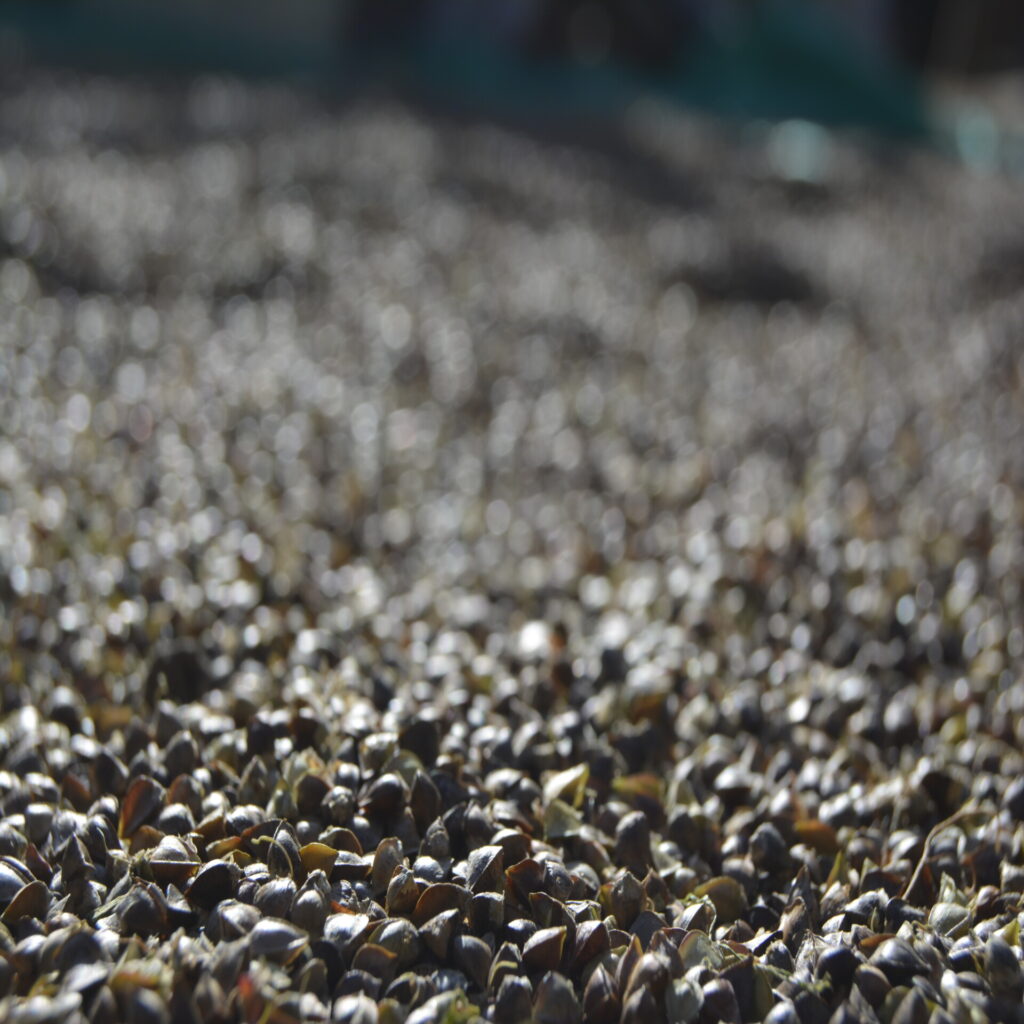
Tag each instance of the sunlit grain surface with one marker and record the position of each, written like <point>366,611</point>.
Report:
<point>684,450</point>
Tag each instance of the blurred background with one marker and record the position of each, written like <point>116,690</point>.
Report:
<point>862,62</point>
<point>367,317</point>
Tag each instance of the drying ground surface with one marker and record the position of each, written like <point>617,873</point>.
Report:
<point>447,571</point>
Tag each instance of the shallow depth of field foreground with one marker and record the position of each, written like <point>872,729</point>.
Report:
<point>451,572</point>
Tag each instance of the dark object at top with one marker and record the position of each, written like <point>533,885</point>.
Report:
<point>180,670</point>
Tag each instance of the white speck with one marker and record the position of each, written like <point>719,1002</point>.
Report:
<point>534,640</point>
<point>79,412</point>
<point>131,382</point>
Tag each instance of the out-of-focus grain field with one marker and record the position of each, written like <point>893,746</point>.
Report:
<point>418,536</point>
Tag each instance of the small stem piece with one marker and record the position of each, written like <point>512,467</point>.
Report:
<point>953,819</point>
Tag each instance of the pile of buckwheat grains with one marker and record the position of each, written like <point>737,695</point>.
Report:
<point>451,573</point>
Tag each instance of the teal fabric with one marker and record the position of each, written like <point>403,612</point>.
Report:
<point>121,35</point>
<point>787,59</point>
